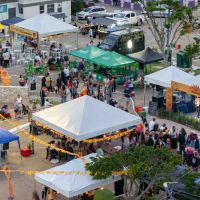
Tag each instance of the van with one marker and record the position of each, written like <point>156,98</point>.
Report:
<point>124,41</point>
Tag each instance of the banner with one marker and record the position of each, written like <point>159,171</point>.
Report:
<point>22,31</point>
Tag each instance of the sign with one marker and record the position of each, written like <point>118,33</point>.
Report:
<point>22,31</point>
<point>153,106</point>
<point>3,8</point>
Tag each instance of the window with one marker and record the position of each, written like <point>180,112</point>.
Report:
<point>128,15</point>
<point>132,14</point>
<point>41,9</point>
<point>21,11</point>
<point>59,8</point>
<point>50,8</point>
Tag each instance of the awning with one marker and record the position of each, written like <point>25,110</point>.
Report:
<point>165,76</point>
<point>12,21</point>
<point>73,184</point>
<point>85,117</point>
<point>112,60</point>
<point>88,52</point>
<point>146,56</point>
<point>7,136</point>
<point>45,25</point>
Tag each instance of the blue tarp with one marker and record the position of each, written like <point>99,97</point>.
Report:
<point>12,21</point>
<point>6,136</point>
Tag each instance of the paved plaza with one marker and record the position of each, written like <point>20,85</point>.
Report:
<point>24,185</point>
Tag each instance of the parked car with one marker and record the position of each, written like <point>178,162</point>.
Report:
<point>160,11</point>
<point>128,17</point>
<point>85,13</point>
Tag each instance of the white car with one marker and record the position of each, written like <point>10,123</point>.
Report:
<point>128,17</point>
<point>91,10</point>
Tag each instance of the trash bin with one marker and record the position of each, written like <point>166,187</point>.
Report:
<point>182,60</point>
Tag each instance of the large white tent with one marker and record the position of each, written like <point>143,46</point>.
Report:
<point>73,184</point>
<point>194,81</point>
<point>46,25</point>
<point>85,117</point>
<point>165,76</point>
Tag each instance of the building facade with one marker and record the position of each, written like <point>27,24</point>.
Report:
<point>30,8</point>
<point>136,6</point>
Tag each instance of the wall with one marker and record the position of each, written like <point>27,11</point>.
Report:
<point>66,8</point>
<point>31,12</point>
<point>4,15</point>
<point>8,94</point>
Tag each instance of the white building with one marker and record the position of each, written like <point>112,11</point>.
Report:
<point>29,8</point>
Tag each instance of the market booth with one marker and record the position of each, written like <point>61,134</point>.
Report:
<point>162,80</point>
<point>113,64</point>
<point>85,117</point>
<point>88,52</point>
<point>6,137</point>
<point>74,183</point>
<point>146,57</point>
<point>189,86</point>
<point>42,26</point>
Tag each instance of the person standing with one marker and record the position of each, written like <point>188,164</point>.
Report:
<point>182,141</point>
<point>42,96</point>
<point>6,57</point>
<point>33,82</point>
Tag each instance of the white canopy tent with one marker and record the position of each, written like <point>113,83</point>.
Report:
<point>73,184</point>
<point>194,81</point>
<point>84,118</point>
<point>46,25</point>
<point>165,76</point>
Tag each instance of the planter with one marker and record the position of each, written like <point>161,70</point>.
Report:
<point>189,28</point>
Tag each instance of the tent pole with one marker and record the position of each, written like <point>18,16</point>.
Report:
<point>77,40</point>
<point>145,88</point>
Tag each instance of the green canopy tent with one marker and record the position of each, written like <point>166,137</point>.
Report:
<point>88,53</point>
<point>117,63</point>
<point>112,60</point>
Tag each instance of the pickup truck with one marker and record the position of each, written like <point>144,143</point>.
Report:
<point>128,17</point>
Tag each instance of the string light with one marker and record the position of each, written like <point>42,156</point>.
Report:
<point>67,173</point>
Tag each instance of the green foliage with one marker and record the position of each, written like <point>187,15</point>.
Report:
<point>180,118</point>
<point>192,49</point>
<point>189,182</point>
<point>140,161</point>
<point>175,23</point>
<point>76,6</point>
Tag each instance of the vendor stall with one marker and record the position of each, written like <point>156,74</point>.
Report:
<point>73,184</point>
<point>163,79</point>
<point>85,117</point>
<point>145,57</point>
<point>115,64</point>
<point>88,52</point>
<point>42,25</point>
<point>5,138</point>
<point>190,86</point>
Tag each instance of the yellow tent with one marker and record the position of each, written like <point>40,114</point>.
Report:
<point>1,26</point>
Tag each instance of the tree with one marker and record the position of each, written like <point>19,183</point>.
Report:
<point>191,50</point>
<point>140,163</point>
<point>77,6</point>
<point>166,30</point>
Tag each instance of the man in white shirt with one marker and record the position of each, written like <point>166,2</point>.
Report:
<point>152,124</point>
<point>66,71</point>
<point>6,57</point>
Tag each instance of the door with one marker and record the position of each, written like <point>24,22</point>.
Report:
<point>11,13</point>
